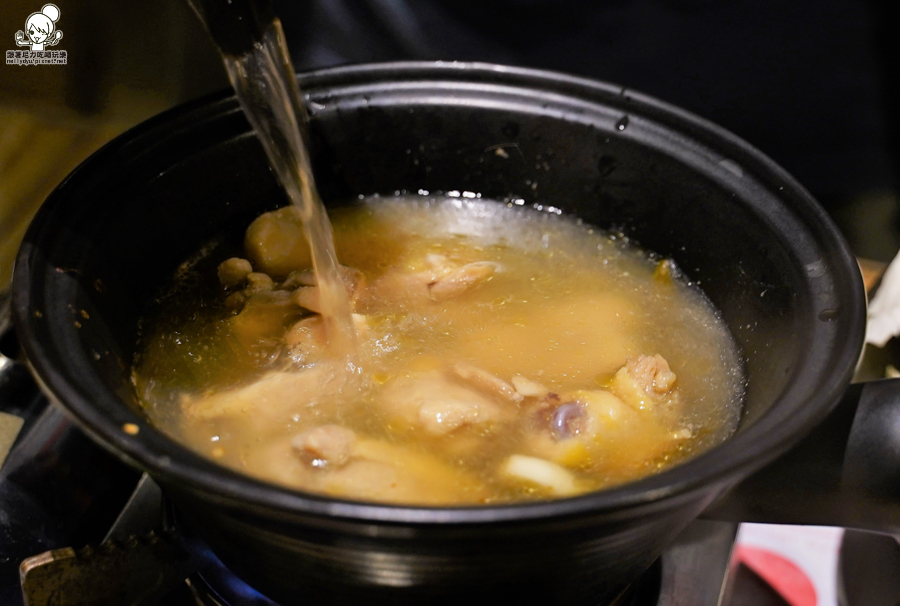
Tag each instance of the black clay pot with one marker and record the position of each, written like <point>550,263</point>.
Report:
<point>764,252</point>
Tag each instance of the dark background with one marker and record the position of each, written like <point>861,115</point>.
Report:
<point>813,83</point>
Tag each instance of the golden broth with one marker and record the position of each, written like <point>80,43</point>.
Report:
<point>504,354</point>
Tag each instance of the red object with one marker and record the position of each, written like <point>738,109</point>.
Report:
<point>781,574</point>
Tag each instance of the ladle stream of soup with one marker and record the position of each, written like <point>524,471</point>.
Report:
<point>505,354</point>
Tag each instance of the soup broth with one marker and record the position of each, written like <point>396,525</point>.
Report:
<point>504,354</point>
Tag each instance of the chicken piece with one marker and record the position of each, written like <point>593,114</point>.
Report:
<point>361,325</point>
<point>296,279</point>
<point>264,316</point>
<point>395,289</point>
<point>275,243</point>
<point>390,472</point>
<point>528,388</point>
<point>604,412</point>
<point>306,340</point>
<point>276,460</point>
<point>435,279</point>
<point>325,445</point>
<point>274,397</point>
<point>575,428</point>
<point>258,282</point>
<point>308,332</point>
<point>566,420</point>
<point>307,297</point>
<point>438,265</point>
<point>374,471</point>
<point>236,300</point>
<point>442,416</point>
<point>353,279</point>
<point>651,373</point>
<point>485,382</point>
<point>644,382</point>
<point>232,272</point>
<point>376,481</point>
<point>460,280</point>
<point>431,402</point>
<point>399,285</point>
<point>255,282</point>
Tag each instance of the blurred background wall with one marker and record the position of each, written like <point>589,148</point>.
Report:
<point>127,61</point>
<point>813,83</point>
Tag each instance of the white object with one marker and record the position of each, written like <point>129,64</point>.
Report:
<point>543,473</point>
<point>814,549</point>
<point>884,309</point>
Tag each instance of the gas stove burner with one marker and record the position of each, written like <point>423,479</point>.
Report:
<point>692,573</point>
<point>168,569</point>
<point>215,585</point>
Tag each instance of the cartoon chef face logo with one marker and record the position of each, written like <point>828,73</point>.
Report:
<point>40,29</point>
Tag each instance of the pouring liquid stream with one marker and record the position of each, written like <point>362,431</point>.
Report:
<point>267,89</point>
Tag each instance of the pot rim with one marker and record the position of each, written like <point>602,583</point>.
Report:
<point>761,442</point>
